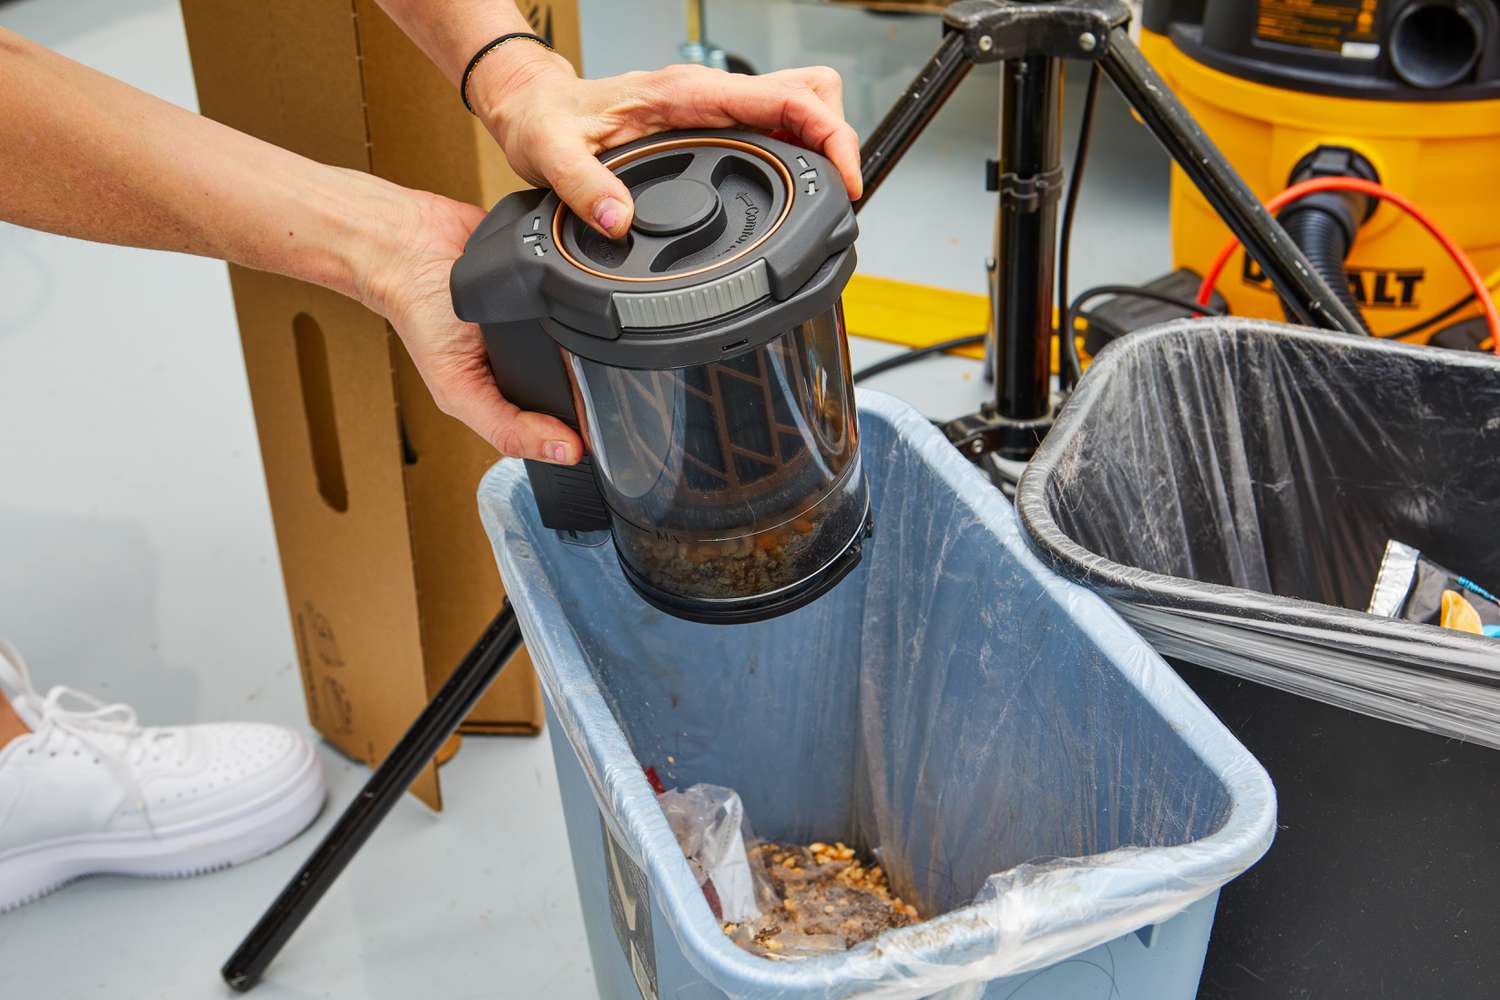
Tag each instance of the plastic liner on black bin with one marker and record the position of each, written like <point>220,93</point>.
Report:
<point>1230,486</point>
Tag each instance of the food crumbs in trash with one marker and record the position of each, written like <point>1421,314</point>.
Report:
<point>821,898</point>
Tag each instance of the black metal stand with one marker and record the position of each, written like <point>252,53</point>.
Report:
<point>438,721</point>
<point>1032,37</point>
<point>1029,182</point>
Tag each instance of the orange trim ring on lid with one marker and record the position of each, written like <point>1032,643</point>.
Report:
<point>624,158</point>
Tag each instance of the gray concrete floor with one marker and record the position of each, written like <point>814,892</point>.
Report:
<point>137,557</point>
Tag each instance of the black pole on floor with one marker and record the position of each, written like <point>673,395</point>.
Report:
<point>1029,180</point>
<point>438,721</point>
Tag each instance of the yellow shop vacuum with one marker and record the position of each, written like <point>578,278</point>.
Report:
<point>1402,92</point>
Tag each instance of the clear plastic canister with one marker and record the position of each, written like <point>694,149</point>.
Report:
<point>734,479</point>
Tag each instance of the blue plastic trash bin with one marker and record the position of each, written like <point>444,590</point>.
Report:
<point>1023,764</point>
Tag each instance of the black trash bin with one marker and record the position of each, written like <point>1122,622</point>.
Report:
<point>1230,486</point>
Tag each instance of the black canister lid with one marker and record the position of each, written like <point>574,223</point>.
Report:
<point>736,237</point>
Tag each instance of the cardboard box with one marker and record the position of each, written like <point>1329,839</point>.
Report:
<point>388,573</point>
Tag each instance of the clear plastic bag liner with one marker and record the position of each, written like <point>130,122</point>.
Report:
<point>1230,486</point>
<point>711,828</point>
<point>1032,775</point>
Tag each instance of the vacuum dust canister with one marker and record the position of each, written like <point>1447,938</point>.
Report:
<point>703,360</point>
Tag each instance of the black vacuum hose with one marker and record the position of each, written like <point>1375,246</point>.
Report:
<point>1324,224</point>
<point>1323,234</point>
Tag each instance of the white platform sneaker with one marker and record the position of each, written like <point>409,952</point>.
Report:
<point>89,791</point>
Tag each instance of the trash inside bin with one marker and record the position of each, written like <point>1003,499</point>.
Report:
<point>1231,487</point>
<point>1027,771</point>
<point>779,900</point>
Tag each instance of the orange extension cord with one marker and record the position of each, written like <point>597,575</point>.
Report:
<point>1291,194</point>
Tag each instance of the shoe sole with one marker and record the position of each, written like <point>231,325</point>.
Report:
<point>206,845</point>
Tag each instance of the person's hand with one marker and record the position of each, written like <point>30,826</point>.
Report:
<point>404,277</point>
<point>552,125</point>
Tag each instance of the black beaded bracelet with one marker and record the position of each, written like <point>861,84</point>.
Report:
<point>463,87</point>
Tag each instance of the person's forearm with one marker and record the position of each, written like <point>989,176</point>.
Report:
<point>85,155</point>
<point>450,32</point>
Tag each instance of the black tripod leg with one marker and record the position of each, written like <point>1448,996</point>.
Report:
<point>1293,276</point>
<point>918,105</point>
<point>480,666</point>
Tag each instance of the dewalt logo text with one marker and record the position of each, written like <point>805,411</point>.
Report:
<point>1372,288</point>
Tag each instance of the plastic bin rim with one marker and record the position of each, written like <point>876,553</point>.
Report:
<point>946,939</point>
<point>1090,568</point>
